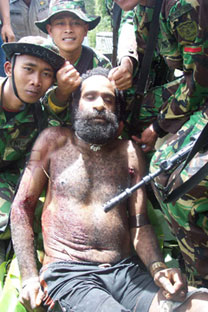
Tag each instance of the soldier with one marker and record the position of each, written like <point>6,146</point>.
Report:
<point>31,68</point>
<point>184,44</point>
<point>156,91</point>
<point>68,23</point>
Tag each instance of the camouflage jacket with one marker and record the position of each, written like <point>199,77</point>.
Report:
<point>59,114</point>
<point>184,45</point>
<point>18,133</point>
<point>142,18</point>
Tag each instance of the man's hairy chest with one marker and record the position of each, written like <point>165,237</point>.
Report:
<point>89,177</point>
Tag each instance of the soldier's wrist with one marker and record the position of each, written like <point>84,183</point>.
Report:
<point>160,132</point>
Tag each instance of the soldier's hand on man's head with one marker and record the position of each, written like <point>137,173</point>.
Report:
<point>122,74</point>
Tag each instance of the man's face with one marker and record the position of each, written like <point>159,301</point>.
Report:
<point>67,31</point>
<point>95,119</point>
<point>127,5</point>
<point>33,77</point>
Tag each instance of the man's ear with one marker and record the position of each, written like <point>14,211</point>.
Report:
<point>120,128</point>
<point>86,29</point>
<point>48,28</point>
<point>8,68</point>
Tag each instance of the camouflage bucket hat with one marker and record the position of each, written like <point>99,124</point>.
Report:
<point>76,7</point>
<point>35,46</point>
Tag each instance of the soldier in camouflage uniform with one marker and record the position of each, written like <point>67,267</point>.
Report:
<point>75,23</point>
<point>184,44</point>
<point>21,117</point>
<point>157,91</point>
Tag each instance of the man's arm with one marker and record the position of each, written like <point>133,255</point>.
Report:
<point>144,239</point>
<point>6,31</point>
<point>22,215</point>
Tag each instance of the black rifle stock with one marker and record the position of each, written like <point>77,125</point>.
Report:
<point>165,166</point>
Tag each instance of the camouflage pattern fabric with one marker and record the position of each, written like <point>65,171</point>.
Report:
<point>76,7</point>
<point>50,101</point>
<point>16,138</point>
<point>188,216</point>
<point>159,75</point>
<point>184,45</point>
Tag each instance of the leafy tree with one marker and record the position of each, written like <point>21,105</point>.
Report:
<point>97,7</point>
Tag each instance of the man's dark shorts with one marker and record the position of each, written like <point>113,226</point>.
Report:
<point>78,287</point>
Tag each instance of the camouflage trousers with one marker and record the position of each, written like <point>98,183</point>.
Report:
<point>187,216</point>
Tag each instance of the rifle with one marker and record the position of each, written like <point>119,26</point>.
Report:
<point>165,166</point>
<point>145,68</point>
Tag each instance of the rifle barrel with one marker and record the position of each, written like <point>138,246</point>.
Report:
<point>165,165</point>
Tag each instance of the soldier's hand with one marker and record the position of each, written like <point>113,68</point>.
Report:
<point>122,74</point>
<point>31,295</point>
<point>68,79</point>
<point>172,283</point>
<point>147,140</point>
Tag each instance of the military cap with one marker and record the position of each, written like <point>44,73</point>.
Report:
<point>76,7</point>
<point>35,46</point>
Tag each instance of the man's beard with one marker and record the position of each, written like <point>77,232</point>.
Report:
<point>94,131</point>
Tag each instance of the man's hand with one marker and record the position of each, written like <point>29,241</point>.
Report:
<point>68,79</point>
<point>31,295</point>
<point>7,33</point>
<point>122,75</point>
<point>173,284</point>
<point>147,140</point>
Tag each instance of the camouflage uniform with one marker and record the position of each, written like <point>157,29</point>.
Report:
<point>59,114</point>
<point>184,44</point>
<point>17,136</point>
<point>157,89</point>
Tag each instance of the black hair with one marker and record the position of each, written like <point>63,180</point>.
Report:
<point>119,97</point>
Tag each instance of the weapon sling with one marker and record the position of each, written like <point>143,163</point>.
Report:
<point>145,66</point>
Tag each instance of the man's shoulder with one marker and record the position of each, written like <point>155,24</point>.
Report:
<point>63,131</point>
<point>54,137</point>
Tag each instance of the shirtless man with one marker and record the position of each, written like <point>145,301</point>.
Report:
<point>89,264</point>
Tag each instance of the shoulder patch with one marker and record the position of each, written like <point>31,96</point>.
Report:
<point>188,30</point>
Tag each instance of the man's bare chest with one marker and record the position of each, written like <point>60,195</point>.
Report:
<point>89,177</point>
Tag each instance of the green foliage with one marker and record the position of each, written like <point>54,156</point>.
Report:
<point>9,298</point>
<point>167,241</point>
<point>97,7</point>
